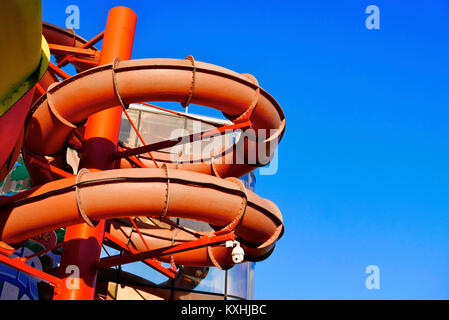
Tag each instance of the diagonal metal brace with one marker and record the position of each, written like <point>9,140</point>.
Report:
<point>130,258</point>
<point>19,264</point>
<point>152,262</point>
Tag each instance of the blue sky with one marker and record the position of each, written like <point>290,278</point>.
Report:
<point>363,167</point>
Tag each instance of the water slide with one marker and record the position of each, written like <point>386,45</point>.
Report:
<point>158,188</point>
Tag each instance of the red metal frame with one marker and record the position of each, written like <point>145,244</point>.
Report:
<point>56,70</point>
<point>186,139</point>
<point>19,264</point>
<point>68,58</point>
<point>40,89</point>
<point>151,262</point>
<point>66,50</point>
<point>130,258</point>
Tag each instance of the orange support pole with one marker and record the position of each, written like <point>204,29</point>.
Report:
<point>83,243</point>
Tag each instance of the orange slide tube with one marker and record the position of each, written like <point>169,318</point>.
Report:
<point>148,192</point>
<point>69,103</point>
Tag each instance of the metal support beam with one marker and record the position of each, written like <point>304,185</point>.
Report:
<point>130,258</point>
<point>152,262</point>
<point>178,141</point>
<point>56,70</point>
<point>20,265</point>
<point>87,45</point>
<point>58,49</point>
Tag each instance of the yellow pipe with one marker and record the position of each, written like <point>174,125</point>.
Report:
<point>24,53</point>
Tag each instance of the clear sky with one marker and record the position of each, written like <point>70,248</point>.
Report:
<point>363,167</point>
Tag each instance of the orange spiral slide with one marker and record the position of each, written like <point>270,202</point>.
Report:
<point>73,100</point>
<point>203,189</point>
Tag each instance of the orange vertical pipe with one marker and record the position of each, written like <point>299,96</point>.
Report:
<point>103,128</point>
<point>83,243</point>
